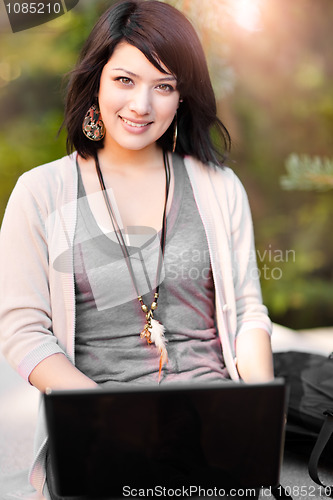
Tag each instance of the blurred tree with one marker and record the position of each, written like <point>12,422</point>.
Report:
<point>32,68</point>
<point>272,71</point>
<point>310,282</point>
<point>307,173</point>
<point>283,102</point>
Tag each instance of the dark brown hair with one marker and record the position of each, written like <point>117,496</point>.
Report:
<point>161,33</point>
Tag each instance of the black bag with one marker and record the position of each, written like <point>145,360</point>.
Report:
<point>310,407</point>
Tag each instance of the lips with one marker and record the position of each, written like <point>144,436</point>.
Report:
<point>135,124</point>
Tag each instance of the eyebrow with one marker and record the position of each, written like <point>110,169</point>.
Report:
<point>167,78</point>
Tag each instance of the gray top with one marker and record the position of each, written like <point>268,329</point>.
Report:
<point>109,319</point>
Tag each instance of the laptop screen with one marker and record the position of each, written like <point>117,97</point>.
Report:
<point>107,443</point>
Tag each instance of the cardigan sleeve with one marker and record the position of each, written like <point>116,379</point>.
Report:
<point>26,336</point>
<point>251,313</point>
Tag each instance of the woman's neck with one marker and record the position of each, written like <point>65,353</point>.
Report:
<point>131,162</point>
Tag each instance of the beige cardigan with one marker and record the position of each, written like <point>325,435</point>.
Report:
<point>37,298</point>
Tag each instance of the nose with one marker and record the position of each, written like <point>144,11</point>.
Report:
<point>140,102</point>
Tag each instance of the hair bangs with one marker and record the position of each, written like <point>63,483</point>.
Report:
<point>151,41</point>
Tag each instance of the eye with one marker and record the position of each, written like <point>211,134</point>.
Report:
<point>124,80</point>
<point>166,88</point>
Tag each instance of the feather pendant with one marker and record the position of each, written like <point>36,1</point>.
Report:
<point>157,336</point>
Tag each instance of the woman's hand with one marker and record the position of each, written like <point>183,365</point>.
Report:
<point>57,372</point>
<point>254,356</point>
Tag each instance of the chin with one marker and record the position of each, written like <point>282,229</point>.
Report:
<point>136,146</point>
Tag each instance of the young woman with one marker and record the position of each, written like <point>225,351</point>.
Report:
<point>132,259</point>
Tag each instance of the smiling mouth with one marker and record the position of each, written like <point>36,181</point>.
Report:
<point>133,124</point>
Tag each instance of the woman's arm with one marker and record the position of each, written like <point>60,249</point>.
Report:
<point>254,356</point>
<point>57,372</point>
<point>26,313</point>
<point>253,341</point>
<point>26,330</point>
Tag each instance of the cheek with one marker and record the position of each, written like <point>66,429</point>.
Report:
<point>167,110</point>
<point>109,105</point>
<point>109,96</point>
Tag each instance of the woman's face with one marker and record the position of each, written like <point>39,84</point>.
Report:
<point>137,102</point>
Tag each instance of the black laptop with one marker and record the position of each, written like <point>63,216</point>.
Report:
<point>143,441</point>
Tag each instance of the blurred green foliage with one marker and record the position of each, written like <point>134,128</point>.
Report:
<point>274,85</point>
<point>307,173</point>
<point>33,68</point>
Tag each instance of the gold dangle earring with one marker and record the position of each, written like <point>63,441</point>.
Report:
<point>93,126</point>
<point>175,135</point>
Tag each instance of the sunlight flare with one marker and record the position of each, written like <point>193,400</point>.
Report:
<point>247,14</point>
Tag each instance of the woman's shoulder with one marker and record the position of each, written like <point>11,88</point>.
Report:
<point>46,187</point>
<point>57,171</point>
<point>218,177</point>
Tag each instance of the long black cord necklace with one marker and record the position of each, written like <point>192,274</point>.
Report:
<point>153,331</point>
